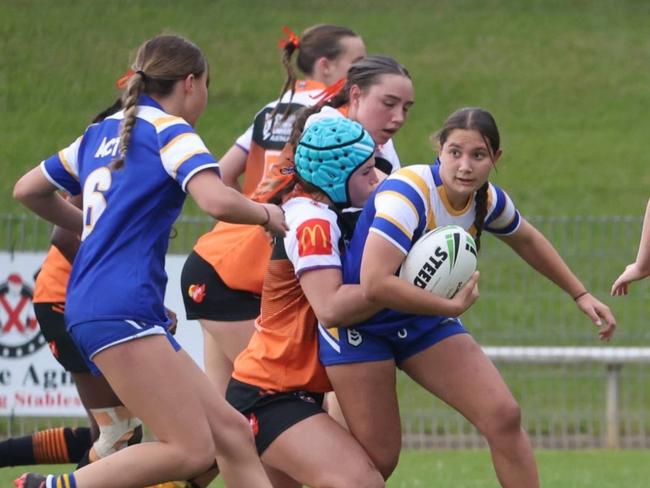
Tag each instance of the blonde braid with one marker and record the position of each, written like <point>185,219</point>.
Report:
<point>130,103</point>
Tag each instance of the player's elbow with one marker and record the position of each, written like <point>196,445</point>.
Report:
<point>329,317</point>
<point>22,190</point>
<point>372,290</point>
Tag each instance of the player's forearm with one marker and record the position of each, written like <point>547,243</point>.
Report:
<point>643,255</point>
<point>540,254</point>
<point>347,307</point>
<point>395,293</point>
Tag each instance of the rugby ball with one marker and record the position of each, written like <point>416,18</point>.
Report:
<point>441,261</point>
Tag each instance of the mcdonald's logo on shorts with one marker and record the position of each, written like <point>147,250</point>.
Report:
<point>314,238</point>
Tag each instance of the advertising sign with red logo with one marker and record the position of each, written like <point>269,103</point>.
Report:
<point>32,382</point>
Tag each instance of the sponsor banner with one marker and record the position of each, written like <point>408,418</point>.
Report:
<point>31,381</point>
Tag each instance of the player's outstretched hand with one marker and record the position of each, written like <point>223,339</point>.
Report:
<point>632,273</point>
<point>600,315</point>
<point>276,225</point>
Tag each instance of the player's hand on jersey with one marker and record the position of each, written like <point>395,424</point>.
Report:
<point>174,320</point>
<point>276,225</point>
<point>632,273</point>
<point>467,295</point>
<point>600,315</point>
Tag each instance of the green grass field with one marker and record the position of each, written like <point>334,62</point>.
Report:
<point>567,81</point>
<point>472,469</point>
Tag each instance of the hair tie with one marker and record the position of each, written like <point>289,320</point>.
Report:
<point>580,295</point>
<point>292,39</point>
<point>141,73</point>
<point>329,92</point>
<point>124,79</point>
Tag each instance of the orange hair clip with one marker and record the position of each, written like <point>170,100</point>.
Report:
<point>329,92</point>
<point>124,79</point>
<point>292,38</point>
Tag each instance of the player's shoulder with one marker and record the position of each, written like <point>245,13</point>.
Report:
<point>420,177</point>
<point>301,209</point>
<point>160,120</point>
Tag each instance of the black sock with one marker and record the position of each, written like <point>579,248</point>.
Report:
<point>17,451</point>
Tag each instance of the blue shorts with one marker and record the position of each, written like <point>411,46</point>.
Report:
<point>94,337</point>
<point>397,340</point>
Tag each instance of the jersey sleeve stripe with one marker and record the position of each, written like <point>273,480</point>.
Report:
<point>424,188</point>
<point>186,158</point>
<point>512,226</point>
<point>393,231</point>
<point>175,140</point>
<point>301,271</point>
<point>50,179</point>
<point>399,244</point>
<point>435,172</point>
<point>242,148</point>
<point>402,198</point>
<point>405,189</point>
<point>395,223</point>
<point>161,122</point>
<point>499,206</point>
<point>196,170</point>
<point>66,165</point>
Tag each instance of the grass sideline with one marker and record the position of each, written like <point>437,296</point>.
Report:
<point>566,81</point>
<point>472,469</point>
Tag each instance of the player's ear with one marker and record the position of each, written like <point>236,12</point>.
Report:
<point>354,94</point>
<point>497,155</point>
<point>188,82</point>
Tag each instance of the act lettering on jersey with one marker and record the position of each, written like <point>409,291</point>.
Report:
<point>314,238</point>
<point>108,147</point>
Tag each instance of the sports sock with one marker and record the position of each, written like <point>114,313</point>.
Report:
<point>51,446</point>
<point>63,480</point>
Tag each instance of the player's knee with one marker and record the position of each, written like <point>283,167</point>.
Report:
<point>386,465</point>
<point>195,463</point>
<point>117,427</point>
<point>385,457</point>
<point>504,421</point>
<point>235,432</point>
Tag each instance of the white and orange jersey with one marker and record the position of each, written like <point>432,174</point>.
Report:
<point>282,354</point>
<point>264,139</point>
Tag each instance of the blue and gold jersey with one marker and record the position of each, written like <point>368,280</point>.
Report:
<point>413,201</point>
<point>128,213</point>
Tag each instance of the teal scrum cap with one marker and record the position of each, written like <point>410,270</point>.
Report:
<point>329,151</point>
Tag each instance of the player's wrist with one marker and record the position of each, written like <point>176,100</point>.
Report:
<point>267,216</point>
<point>578,296</point>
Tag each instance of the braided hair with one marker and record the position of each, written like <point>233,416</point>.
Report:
<point>159,63</point>
<point>318,41</point>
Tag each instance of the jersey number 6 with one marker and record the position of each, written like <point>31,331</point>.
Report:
<point>97,183</point>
